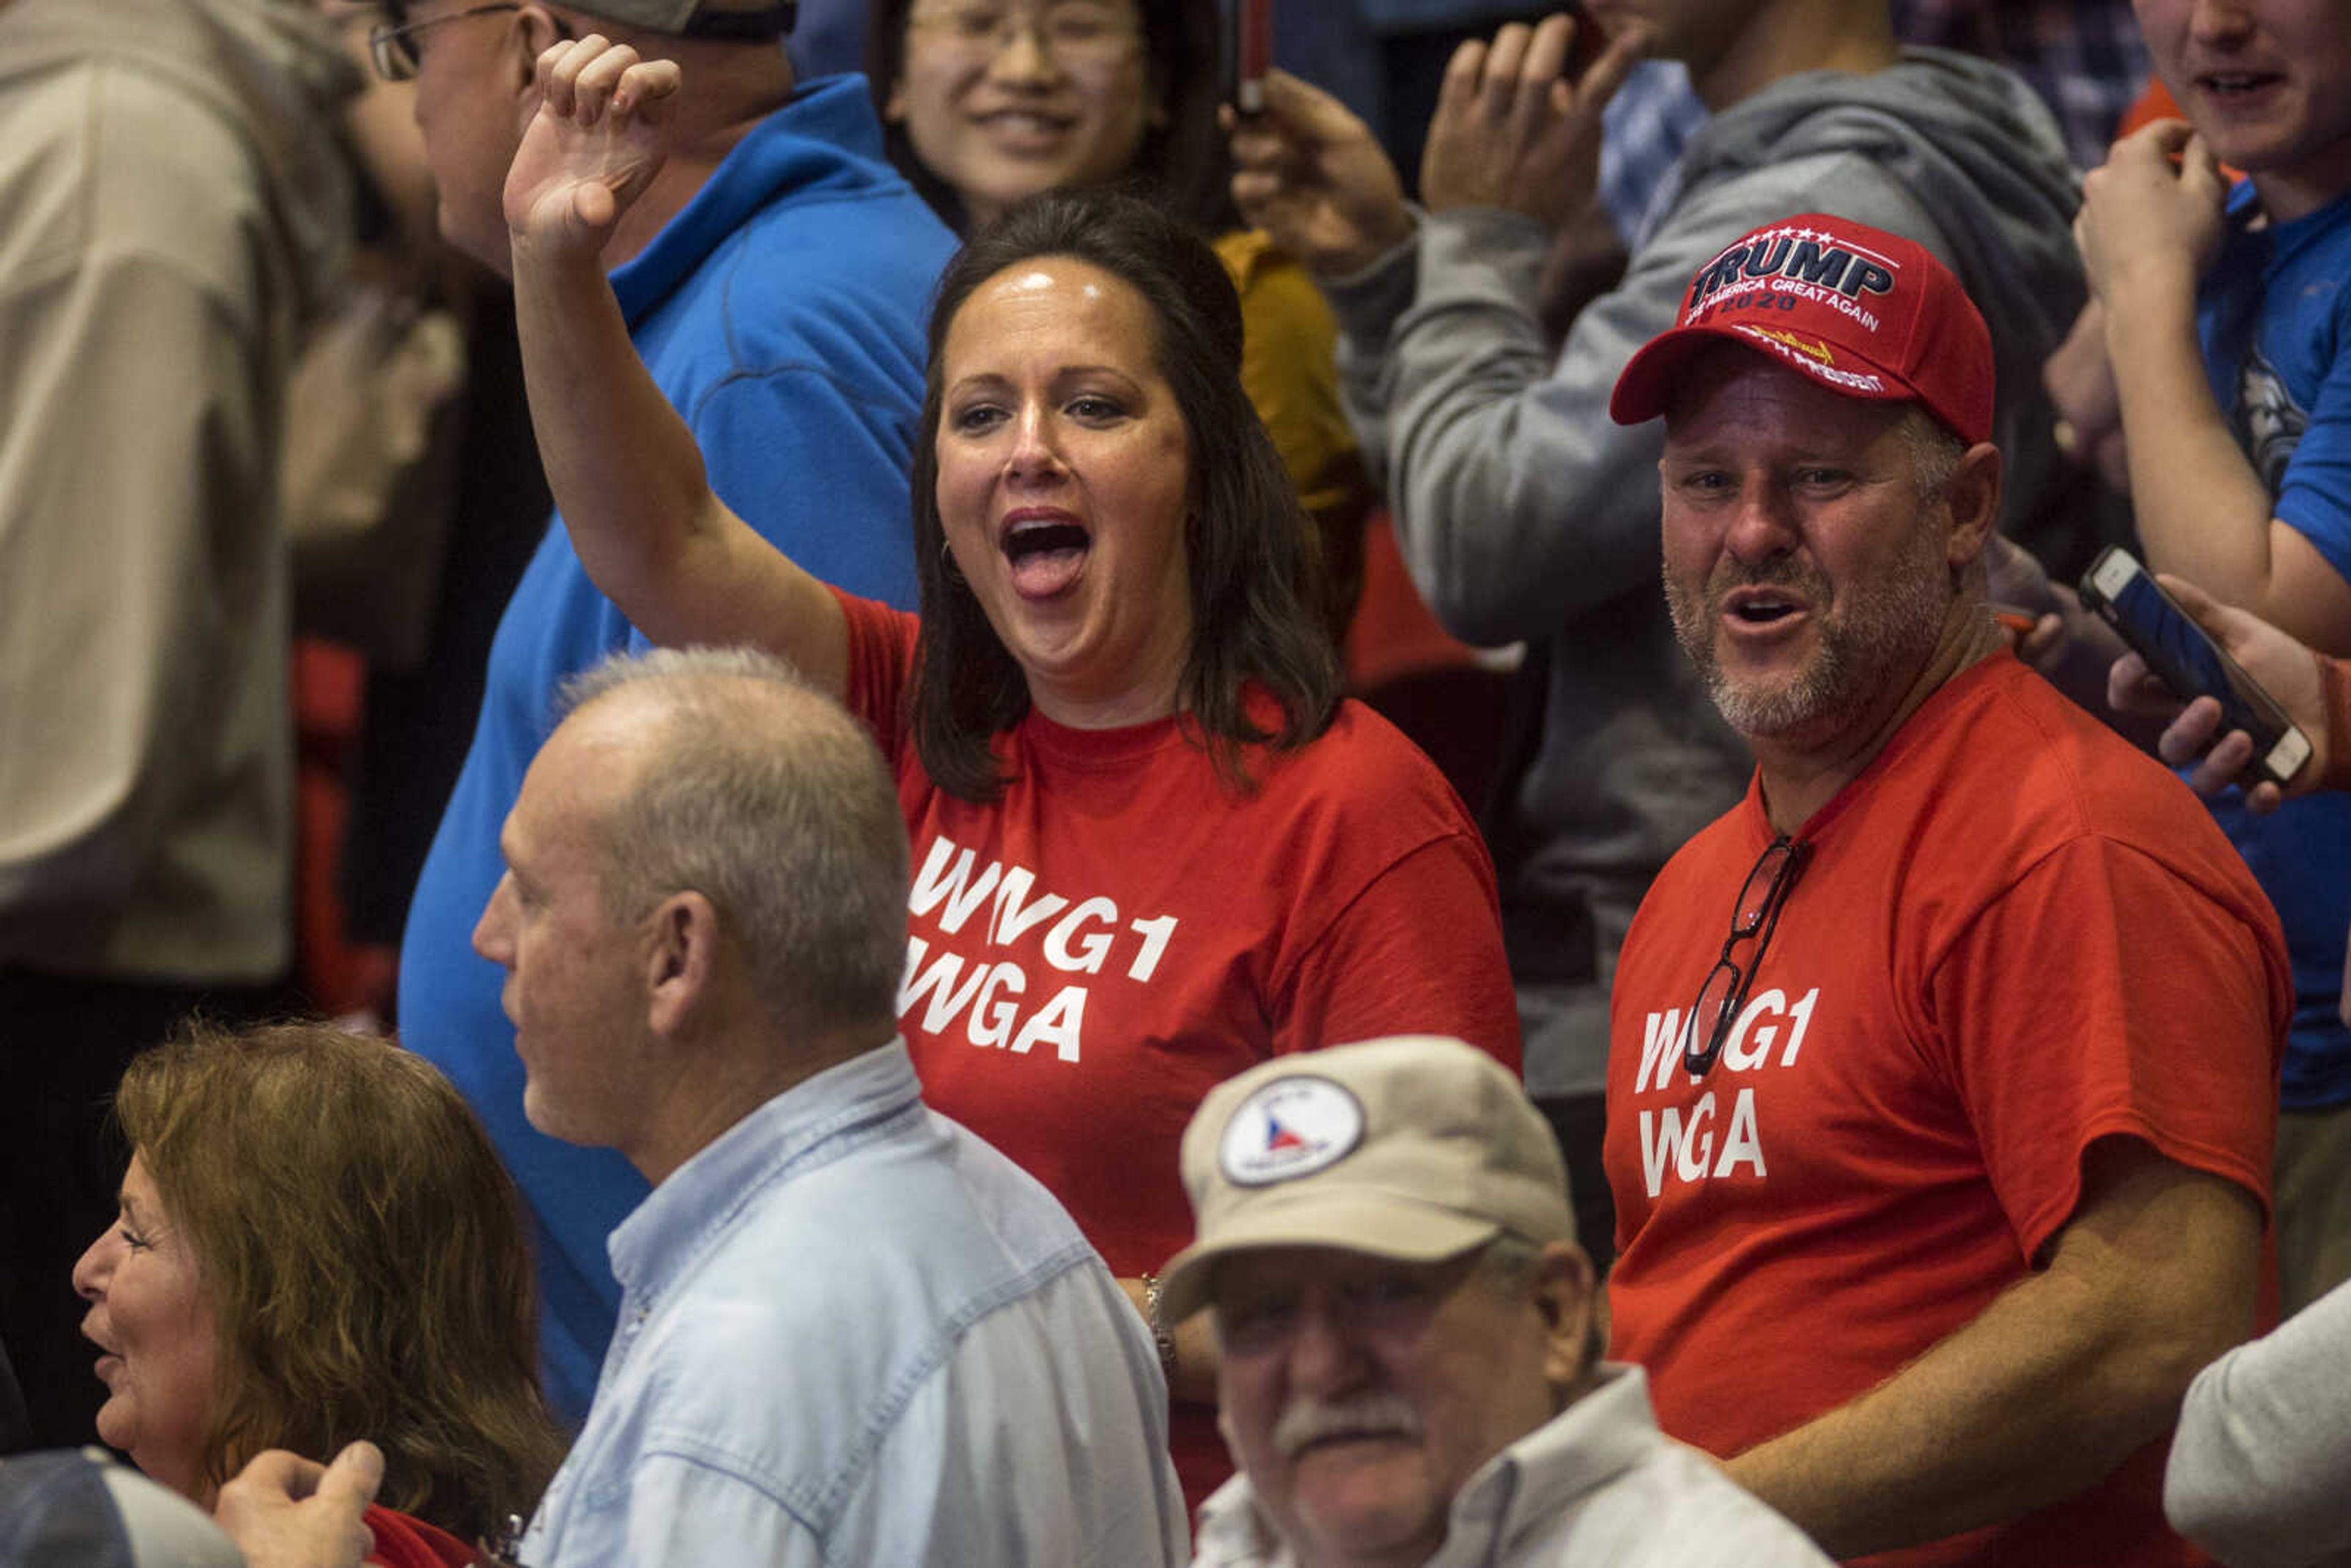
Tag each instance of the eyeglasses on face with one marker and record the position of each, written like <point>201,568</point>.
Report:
<point>1755,917</point>
<point>392,45</point>
<point>1081,32</point>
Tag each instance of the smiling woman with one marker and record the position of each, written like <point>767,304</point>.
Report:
<point>1151,847</point>
<point>154,1333</point>
<point>987,101</point>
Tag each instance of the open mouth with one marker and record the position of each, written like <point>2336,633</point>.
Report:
<point>1046,555</point>
<point>2237,84</point>
<point>1764,609</point>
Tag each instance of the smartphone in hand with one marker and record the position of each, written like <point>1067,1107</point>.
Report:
<point>1590,42</point>
<point>2184,657</point>
<point>1248,53</point>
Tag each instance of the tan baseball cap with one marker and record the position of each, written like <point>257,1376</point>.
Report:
<point>1415,1147</point>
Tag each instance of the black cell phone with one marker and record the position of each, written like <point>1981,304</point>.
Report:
<point>2184,657</point>
<point>1591,40</point>
<point>1248,53</point>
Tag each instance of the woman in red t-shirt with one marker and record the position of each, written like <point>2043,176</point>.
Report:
<point>1151,845</point>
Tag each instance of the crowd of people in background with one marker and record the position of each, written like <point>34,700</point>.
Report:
<point>940,1015</point>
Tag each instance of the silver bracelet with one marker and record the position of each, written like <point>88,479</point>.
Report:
<point>1161,1334</point>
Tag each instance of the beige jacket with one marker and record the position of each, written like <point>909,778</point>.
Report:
<point>173,206</point>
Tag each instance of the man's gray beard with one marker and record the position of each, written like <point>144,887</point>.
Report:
<point>1881,632</point>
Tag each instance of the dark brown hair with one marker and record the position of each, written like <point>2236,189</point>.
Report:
<point>1183,156</point>
<point>1247,545</point>
<point>361,1250</point>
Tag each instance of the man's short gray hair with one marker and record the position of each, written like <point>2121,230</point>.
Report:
<point>769,798</point>
<point>1510,1262</point>
<point>1512,1265</point>
<point>1935,450</point>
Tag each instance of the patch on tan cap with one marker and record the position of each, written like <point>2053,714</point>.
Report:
<point>1291,1127</point>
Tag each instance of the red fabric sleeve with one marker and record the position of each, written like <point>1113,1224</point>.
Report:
<point>1418,951</point>
<point>405,1542</point>
<point>881,668</point>
<point>2103,995</point>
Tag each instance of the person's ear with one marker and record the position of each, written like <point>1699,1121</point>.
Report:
<point>893,107</point>
<point>681,959</point>
<point>1567,1299</point>
<point>1972,494</point>
<point>530,32</point>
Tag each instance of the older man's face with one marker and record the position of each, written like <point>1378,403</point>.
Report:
<point>1360,1394</point>
<point>1808,577</point>
<point>576,972</point>
<point>471,70</point>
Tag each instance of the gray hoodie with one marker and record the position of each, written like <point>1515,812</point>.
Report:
<point>1526,514</point>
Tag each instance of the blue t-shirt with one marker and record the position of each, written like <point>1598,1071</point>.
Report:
<point>2274,315</point>
<point>782,311</point>
<point>2274,318</point>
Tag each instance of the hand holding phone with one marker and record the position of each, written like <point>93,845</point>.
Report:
<point>2184,657</point>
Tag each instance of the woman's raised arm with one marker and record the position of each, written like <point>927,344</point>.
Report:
<point>622,465</point>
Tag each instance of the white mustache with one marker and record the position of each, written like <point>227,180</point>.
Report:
<point>1311,1421</point>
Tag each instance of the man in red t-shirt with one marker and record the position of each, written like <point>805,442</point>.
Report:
<point>1943,1071</point>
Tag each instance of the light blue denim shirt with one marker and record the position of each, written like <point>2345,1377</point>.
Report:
<point>852,1332</point>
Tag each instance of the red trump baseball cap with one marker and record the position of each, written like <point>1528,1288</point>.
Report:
<point>1865,313</point>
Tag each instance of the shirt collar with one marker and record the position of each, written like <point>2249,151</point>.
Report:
<point>672,1228</point>
<point>1561,1462</point>
<point>826,138</point>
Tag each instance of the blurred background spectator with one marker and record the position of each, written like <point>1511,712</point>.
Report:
<point>177,203</point>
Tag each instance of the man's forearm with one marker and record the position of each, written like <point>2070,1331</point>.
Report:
<point>2046,1391</point>
<point>1366,306</point>
<point>2008,1413</point>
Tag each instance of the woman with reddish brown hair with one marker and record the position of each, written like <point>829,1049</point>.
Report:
<point>317,1244</point>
